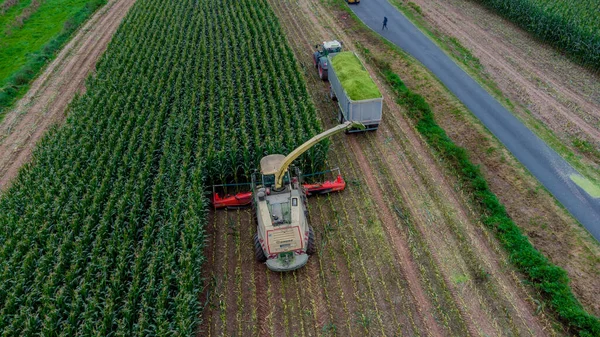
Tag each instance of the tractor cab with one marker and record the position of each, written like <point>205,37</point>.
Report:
<point>329,47</point>
<point>320,56</point>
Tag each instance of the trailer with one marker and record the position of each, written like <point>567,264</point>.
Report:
<point>367,111</point>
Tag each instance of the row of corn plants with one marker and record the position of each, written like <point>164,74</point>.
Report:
<point>572,26</point>
<point>103,233</point>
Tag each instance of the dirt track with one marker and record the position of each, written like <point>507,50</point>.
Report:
<point>46,101</point>
<point>400,252</point>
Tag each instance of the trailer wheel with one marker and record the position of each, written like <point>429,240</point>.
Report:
<point>311,246</point>
<point>258,251</point>
<point>332,94</point>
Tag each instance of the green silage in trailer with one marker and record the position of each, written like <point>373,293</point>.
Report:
<point>353,76</point>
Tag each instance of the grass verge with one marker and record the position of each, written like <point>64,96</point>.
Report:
<point>551,280</point>
<point>18,83</point>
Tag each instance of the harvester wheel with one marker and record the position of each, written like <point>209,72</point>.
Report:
<point>311,247</point>
<point>258,251</point>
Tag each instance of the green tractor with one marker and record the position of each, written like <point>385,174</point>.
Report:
<point>320,56</point>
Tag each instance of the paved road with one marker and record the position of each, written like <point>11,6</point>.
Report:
<point>545,164</point>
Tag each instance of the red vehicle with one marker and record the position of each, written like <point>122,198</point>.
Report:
<point>244,199</point>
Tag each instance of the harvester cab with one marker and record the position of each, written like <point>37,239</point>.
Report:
<point>320,56</point>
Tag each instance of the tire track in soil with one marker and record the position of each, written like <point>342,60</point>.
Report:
<point>262,300</point>
<point>45,102</point>
<point>315,294</point>
<point>399,243</point>
<point>248,291</point>
<point>276,314</point>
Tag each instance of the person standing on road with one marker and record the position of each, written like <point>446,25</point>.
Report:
<point>384,23</point>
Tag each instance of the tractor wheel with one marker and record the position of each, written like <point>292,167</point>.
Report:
<point>258,251</point>
<point>315,61</point>
<point>311,246</point>
<point>322,73</point>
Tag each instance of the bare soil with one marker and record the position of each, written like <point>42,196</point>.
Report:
<point>45,104</point>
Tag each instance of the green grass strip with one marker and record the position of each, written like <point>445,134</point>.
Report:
<point>18,83</point>
<point>551,280</point>
<point>354,77</point>
<point>11,13</point>
<point>588,186</point>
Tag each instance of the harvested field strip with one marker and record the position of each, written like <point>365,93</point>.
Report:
<point>335,273</point>
<point>372,234</point>
<point>520,250</point>
<point>468,278</point>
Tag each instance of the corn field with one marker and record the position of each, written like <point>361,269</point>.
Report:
<point>572,26</point>
<point>103,233</point>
